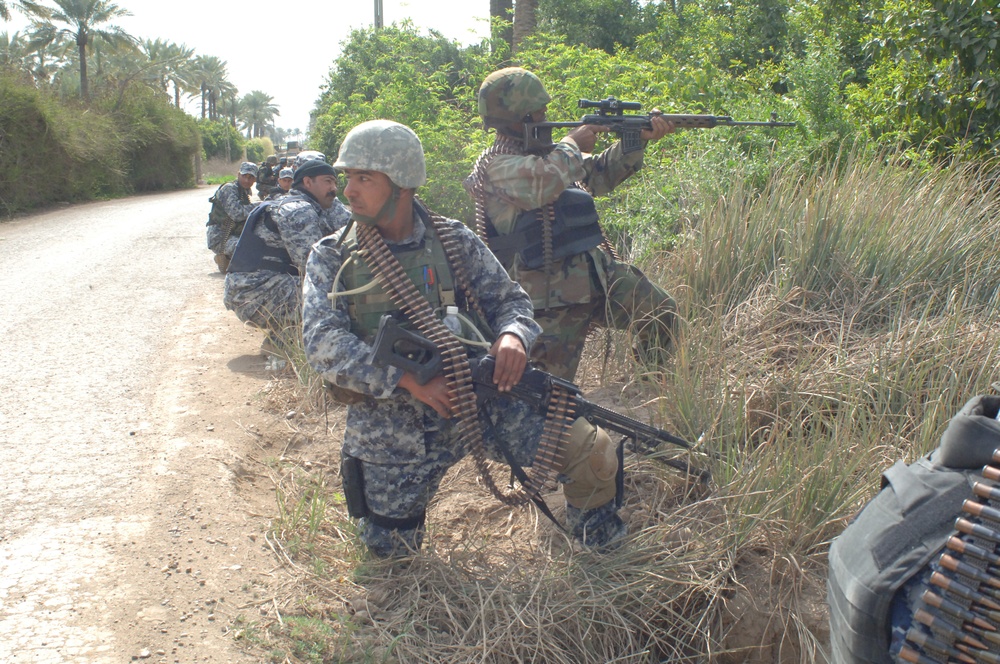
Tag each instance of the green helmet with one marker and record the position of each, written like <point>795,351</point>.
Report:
<point>272,160</point>
<point>386,147</point>
<point>507,95</point>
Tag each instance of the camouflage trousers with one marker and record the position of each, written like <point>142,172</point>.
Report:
<point>633,303</point>
<point>219,242</point>
<point>403,491</point>
<point>264,299</point>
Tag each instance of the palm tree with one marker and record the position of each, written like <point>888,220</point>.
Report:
<point>231,107</point>
<point>49,50</point>
<point>524,20</point>
<point>178,65</point>
<point>85,18</point>
<point>24,6</point>
<point>14,53</point>
<point>258,112</point>
<point>208,74</point>
<point>502,10</point>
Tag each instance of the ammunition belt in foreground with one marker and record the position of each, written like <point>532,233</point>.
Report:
<point>957,617</point>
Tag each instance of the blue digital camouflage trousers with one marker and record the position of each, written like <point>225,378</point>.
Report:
<point>403,491</point>
<point>267,300</point>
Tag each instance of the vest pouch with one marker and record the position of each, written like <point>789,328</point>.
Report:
<point>575,229</point>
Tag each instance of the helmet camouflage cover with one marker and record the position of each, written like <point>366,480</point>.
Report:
<point>507,95</point>
<point>272,160</point>
<point>385,147</point>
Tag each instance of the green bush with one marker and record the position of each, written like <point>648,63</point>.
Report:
<point>52,151</point>
<point>160,140</point>
<point>221,140</point>
<point>258,149</point>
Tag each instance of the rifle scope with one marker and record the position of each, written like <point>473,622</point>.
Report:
<point>610,104</point>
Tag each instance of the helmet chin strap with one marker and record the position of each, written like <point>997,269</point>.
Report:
<point>388,210</point>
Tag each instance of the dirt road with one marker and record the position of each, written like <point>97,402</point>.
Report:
<point>126,409</point>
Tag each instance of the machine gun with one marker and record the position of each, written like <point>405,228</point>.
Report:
<point>409,351</point>
<point>611,113</point>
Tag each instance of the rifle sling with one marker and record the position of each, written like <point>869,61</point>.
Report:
<point>518,471</point>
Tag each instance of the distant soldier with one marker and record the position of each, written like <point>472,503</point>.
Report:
<point>263,285</point>
<point>230,208</point>
<point>267,176</point>
<point>536,212</point>
<point>307,155</point>
<point>284,184</point>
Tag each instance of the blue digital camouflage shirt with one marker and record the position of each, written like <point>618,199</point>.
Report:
<point>271,299</point>
<point>389,426</point>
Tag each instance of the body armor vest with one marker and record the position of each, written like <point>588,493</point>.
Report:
<point>427,267</point>
<point>575,229</point>
<point>253,254</point>
<point>899,534</point>
<point>892,539</point>
<point>217,216</point>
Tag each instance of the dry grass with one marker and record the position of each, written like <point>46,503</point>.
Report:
<point>832,326</point>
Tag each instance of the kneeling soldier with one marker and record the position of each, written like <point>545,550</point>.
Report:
<point>402,436</point>
<point>263,284</point>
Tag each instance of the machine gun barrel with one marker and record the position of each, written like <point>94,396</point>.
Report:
<point>407,350</point>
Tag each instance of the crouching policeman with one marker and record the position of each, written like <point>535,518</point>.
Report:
<point>263,283</point>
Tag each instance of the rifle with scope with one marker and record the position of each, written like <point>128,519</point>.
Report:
<point>611,113</point>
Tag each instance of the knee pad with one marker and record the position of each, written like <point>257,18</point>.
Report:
<point>591,465</point>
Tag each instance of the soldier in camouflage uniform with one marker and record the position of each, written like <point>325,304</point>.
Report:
<point>285,177</point>
<point>230,208</point>
<point>400,437</point>
<point>307,155</point>
<point>267,176</point>
<point>579,283</point>
<point>263,285</point>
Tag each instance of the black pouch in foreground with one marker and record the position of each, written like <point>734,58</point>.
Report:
<point>354,487</point>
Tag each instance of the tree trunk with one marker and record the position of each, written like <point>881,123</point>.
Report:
<point>524,21</point>
<point>503,9</point>
<point>81,43</point>
<point>204,93</point>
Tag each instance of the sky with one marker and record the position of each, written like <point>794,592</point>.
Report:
<point>284,47</point>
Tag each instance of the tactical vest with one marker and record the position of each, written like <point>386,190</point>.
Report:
<point>897,535</point>
<point>575,229</point>
<point>427,267</point>
<point>252,254</point>
<point>217,216</point>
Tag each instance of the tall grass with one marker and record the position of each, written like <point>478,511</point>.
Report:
<point>833,322</point>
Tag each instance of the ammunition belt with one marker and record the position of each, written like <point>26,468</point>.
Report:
<point>456,365</point>
<point>958,617</point>
<point>546,214</point>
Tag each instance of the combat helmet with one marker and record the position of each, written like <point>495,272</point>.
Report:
<point>271,160</point>
<point>507,95</point>
<point>308,155</point>
<point>386,147</point>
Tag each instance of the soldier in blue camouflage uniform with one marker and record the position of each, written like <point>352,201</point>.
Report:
<point>230,208</point>
<point>583,285</point>
<point>267,176</point>
<point>285,177</point>
<point>263,285</point>
<point>400,439</point>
